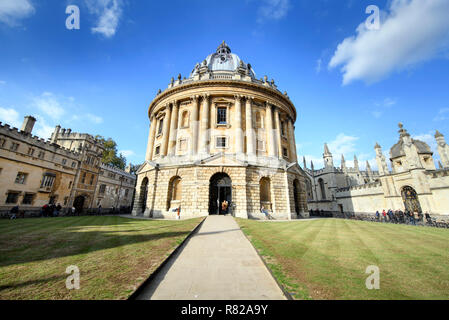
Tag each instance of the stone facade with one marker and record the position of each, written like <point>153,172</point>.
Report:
<point>412,183</point>
<point>65,170</point>
<point>219,135</point>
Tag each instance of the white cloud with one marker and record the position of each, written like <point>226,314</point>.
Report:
<point>10,116</point>
<point>50,105</point>
<point>377,114</point>
<point>127,153</point>
<point>273,10</point>
<point>2,82</point>
<point>343,144</point>
<point>429,139</point>
<point>413,31</point>
<point>95,119</point>
<point>43,129</point>
<point>443,114</point>
<point>11,11</point>
<point>386,103</point>
<point>108,13</point>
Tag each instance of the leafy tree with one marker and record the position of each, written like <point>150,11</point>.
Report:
<point>135,168</point>
<point>110,156</point>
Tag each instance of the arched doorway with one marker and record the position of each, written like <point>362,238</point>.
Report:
<point>79,204</point>
<point>220,189</point>
<point>411,201</point>
<point>174,193</point>
<point>143,194</point>
<point>296,191</point>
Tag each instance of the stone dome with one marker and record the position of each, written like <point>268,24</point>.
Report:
<point>223,60</point>
<point>398,149</point>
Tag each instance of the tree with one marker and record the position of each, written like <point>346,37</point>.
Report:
<point>135,168</point>
<point>110,156</point>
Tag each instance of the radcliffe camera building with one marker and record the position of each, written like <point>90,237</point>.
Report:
<point>66,169</point>
<point>221,134</point>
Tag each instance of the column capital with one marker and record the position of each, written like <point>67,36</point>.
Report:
<point>238,96</point>
<point>206,95</point>
<point>195,98</point>
<point>175,102</point>
<point>249,98</point>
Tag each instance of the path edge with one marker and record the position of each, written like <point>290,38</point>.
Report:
<point>150,278</point>
<point>284,291</point>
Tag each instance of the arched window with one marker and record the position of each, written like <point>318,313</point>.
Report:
<point>143,194</point>
<point>174,193</point>
<point>322,188</point>
<point>309,190</point>
<point>185,119</point>
<point>265,193</point>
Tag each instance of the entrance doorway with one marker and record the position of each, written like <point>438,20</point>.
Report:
<point>220,190</point>
<point>296,190</point>
<point>410,198</point>
<point>79,204</point>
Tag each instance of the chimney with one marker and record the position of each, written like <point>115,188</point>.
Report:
<point>54,136</point>
<point>28,124</point>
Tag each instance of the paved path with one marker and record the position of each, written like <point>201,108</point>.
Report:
<point>217,263</point>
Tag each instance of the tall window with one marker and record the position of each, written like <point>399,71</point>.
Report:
<point>161,124</point>
<point>21,178</point>
<point>185,119</point>
<point>102,189</point>
<point>28,198</point>
<point>322,188</point>
<point>12,197</point>
<point>48,180</point>
<point>283,128</point>
<point>83,179</point>
<point>221,116</point>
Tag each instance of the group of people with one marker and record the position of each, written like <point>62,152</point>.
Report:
<point>51,210</point>
<point>398,216</point>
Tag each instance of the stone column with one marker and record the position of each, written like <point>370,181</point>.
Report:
<point>278,132</point>
<point>205,125</point>
<point>291,141</point>
<point>165,131</point>
<point>194,126</point>
<point>150,145</point>
<point>270,131</point>
<point>173,129</point>
<point>238,125</point>
<point>250,150</point>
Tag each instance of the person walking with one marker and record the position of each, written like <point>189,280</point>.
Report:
<point>266,213</point>
<point>377,216</point>
<point>384,215</point>
<point>412,218</point>
<point>14,212</point>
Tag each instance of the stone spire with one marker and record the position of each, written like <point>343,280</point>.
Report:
<point>343,163</point>
<point>304,162</point>
<point>327,156</point>
<point>369,171</point>
<point>381,161</point>
<point>356,163</point>
<point>443,149</point>
<point>311,165</point>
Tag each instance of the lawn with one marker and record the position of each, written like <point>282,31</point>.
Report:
<point>113,254</point>
<point>327,258</point>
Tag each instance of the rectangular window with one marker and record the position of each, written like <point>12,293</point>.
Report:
<point>12,197</point>
<point>83,179</point>
<point>222,142</point>
<point>70,184</point>
<point>285,152</point>
<point>14,146</point>
<point>91,180</point>
<point>21,178</point>
<point>53,199</point>
<point>158,150</point>
<point>102,188</point>
<point>73,164</point>
<point>28,198</point>
<point>2,142</point>
<point>41,155</point>
<point>126,192</point>
<point>48,180</point>
<point>30,152</point>
<point>221,116</point>
<point>64,162</point>
<point>183,145</point>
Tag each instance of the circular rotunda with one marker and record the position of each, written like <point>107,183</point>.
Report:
<point>221,142</point>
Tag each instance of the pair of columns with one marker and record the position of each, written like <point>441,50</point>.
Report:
<point>173,121</point>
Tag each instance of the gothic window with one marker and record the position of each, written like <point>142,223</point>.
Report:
<point>222,116</point>
<point>21,177</point>
<point>265,193</point>
<point>309,190</point>
<point>48,180</point>
<point>322,188</point>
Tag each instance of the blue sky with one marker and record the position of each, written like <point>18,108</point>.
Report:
<point>351,86</point>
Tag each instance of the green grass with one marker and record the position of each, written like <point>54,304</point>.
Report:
<point>327,258</point>
<point>114,255</point>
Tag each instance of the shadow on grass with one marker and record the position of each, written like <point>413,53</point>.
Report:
<point>69,240</point>
<point>17,285</point>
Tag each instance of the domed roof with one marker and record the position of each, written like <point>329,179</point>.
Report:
<point>398,149</point>
<point>223,60</point>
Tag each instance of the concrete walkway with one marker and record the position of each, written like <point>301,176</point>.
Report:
<point>217,263</point>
